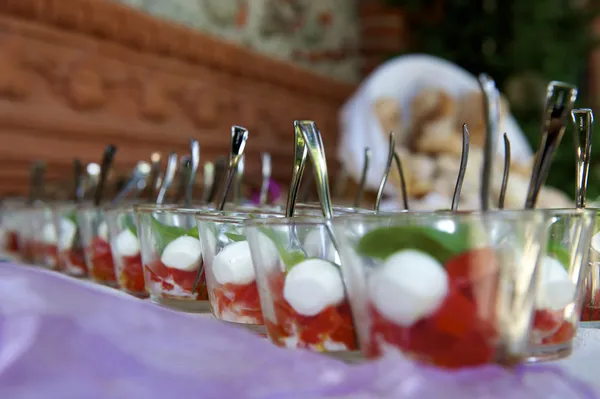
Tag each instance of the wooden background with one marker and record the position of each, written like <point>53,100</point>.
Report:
<point>76,75</point>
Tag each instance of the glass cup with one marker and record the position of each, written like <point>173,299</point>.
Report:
<point>447,289</point>
<point>171,257</point>
<point>303,299</point>
<point>71,256</point>
<point>590,313</point>
<point>26,234</point>
<point>125,248</point>
<point>11,217</point>
<point>96,245</point>
<point>228,267</point>
<point>44,237</point>
<point>564,267</point>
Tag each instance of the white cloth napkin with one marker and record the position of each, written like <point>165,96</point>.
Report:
<point>402,78</point>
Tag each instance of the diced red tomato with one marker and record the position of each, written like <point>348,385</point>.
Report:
<point>28,251</point>
<point>12,241</point>
<point>74,260</point>
<point>591,305</point>
<point>461,332</point>
<point>49,255</point>
<point>131,275</point>
<point>334,323</point>
<point>547,321</point>
<point>590,313</point>
<point>160,273</point>
<point>238,300</point>
<point>101,265</point>
<point>564,334</point>
<point>456,316</point>
<point>552,327</point>
<point>472,350</point>
<point>476,274</point>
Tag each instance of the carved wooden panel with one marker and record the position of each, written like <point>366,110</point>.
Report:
<point>76,75</point>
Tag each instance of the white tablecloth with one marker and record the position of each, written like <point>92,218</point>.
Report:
<point>583,363</point>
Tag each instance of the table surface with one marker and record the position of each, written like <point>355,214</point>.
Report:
<point>581,364</point>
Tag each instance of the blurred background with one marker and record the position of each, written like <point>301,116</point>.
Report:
<point>334,45</point>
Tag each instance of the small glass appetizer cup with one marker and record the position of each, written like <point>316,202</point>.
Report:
<point>125,248</point>
<point>171,256</point>
<point>563,269</point>
<point>71,256</point>
<point>302,294</point>
<point>590,313</point>
<point>45,237</point>
<point>452,290</point>
<point>10,219</point>
<point>26,234</point>
<point>229,270</point>
<point>95,239</point>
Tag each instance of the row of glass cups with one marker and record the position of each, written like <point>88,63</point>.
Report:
<point>60,236</point>
<point>450,289</point>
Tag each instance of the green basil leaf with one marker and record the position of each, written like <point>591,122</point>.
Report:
<point>292,258</point>
<point>289,258</point>
<point>235,237</point>
<point>165,234</point>
<point>193,232</point>
<point>72,217</point>
<point>383,242</point>
<point>559,253</point>
<point>129,224</point>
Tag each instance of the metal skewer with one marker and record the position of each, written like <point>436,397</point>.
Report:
<point>462,169</point>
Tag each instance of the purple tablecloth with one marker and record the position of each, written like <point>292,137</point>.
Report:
<point>62,338</point>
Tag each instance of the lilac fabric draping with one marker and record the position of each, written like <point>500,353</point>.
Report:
<point>67,339</point>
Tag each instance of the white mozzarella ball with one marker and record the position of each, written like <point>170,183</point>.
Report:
<point>103,231</point>
<point>234,264</point>
<point>410,285</point>
<point>67,233</point>
<point>126,243</point>
<point>556,289</point>
<point>183,253</point>
<point>49,235</point>
<point>313,246</point>
<point>312,285</point>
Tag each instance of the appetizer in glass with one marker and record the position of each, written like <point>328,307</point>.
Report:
<point>96,243</point>
<point>228,267</point>
<point>590,313</point>
<point>71,256</point>
<point>9,231</point>
<point>443,288</point>
<point>27,230</point>
<point>44,243</point>
<point>302,294</point>
<point>171,256</point>
<point>125,249</point>
<point>63,238</point>
<point>559,298</point>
